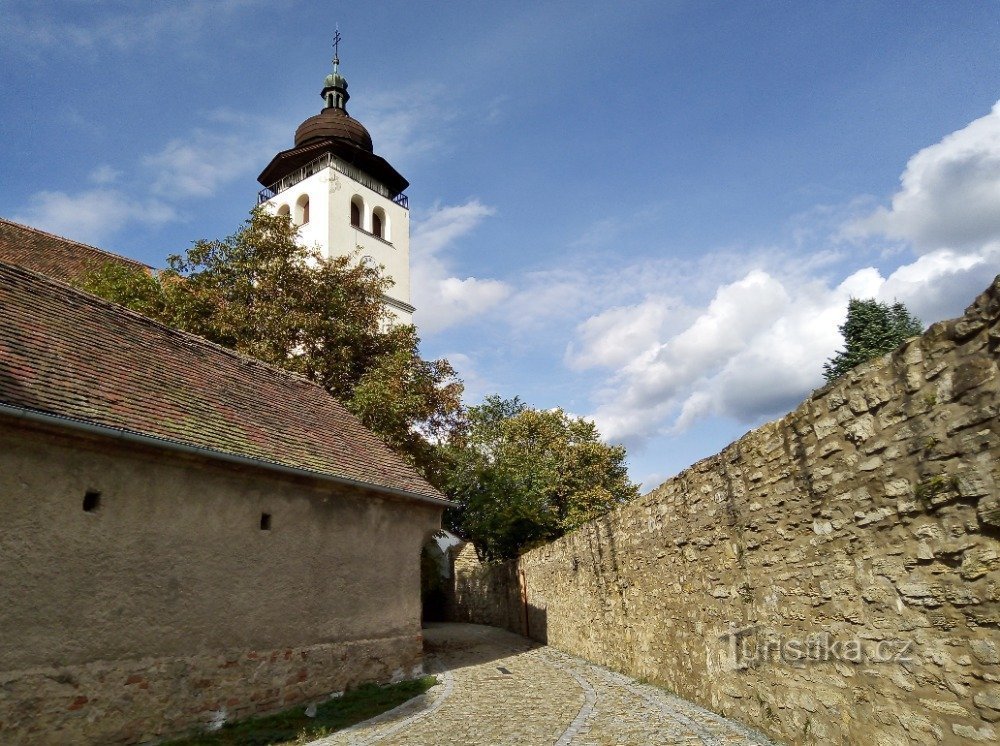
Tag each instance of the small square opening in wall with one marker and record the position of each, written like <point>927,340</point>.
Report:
<point>265,521</point>
<point>91,501</point>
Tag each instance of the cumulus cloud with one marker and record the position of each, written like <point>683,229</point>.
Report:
<point>753,350</point>
<point>93,215</point>
<point>940,284</point>
<point>950,192</point>
<point>755,347</point>
<point>443,299</point>
<point>615,336</point>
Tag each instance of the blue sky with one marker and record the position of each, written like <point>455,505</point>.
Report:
<point>652,214</point>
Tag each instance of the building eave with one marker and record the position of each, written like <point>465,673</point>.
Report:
<point>129,436</point>
<point>288,160</point>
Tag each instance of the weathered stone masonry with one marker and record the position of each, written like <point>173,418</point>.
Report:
<point>868,517</point>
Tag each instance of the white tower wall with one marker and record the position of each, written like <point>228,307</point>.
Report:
<point>330,191</point>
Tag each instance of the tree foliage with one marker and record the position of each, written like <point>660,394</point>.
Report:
<point>261,293</point>
<point>871,329</point>
<point>524,476</point>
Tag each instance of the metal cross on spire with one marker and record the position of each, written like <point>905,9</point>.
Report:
<point>336,45</point>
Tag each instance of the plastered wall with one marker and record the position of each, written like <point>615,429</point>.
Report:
<point>168,606</point>
<point>831,578</point>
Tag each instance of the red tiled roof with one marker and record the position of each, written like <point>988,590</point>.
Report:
<point>52,255</point>
<point>70,354</point>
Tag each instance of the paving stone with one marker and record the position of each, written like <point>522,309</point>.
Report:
<point>548,697</point>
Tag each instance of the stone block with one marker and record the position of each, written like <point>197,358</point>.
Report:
<point>986,652</point>
<point>984,734</point>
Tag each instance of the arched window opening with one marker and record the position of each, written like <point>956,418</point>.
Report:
<point>302,210</point>
<point>380,224</point>
<point>284,211</point>
<point>355,214</point>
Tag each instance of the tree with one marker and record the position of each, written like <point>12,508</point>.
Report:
<point>871,329</point>
<point>261,293</point>
<point>524,476</point>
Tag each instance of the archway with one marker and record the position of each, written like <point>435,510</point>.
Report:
<point>435,575</point>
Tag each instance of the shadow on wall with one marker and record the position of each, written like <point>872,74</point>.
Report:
<point>494,594</point>
<point>537,623</point>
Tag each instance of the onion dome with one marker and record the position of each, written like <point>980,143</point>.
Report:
<point>334,122</point>
<point>333,131</point>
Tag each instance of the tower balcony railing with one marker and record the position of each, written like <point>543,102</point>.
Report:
<point>329,160</point>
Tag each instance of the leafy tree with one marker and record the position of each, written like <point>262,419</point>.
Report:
<point>524,476</point>
<point>871,329</point>
<point>263,294</point>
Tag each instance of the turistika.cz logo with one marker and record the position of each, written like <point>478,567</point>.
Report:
<point>751,647</point>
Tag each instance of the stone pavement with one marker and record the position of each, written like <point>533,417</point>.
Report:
<point>499,689</point>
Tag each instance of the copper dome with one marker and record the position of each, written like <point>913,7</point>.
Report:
<point>334,123</point>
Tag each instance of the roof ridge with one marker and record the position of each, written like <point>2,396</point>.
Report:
<point>184,335</point>
<point>39,231</point>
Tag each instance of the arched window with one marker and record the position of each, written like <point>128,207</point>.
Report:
<point>357,211</point>
<point>380,224</point>
<point>302,210</point>
<point>284,211</point>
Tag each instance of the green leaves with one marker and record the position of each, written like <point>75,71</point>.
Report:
<point>261,293</point>
<point>525,476</point>
<point>522,476</point>
<point>871,329</point>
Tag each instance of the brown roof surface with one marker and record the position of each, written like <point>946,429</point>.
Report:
<point>374,165</point>
<point>333,123</point>
<point>53,255</point>
<point>71,354</point>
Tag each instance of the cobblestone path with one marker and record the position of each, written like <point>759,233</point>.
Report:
<point>499,689</point>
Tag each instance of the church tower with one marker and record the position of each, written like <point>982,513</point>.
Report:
<point>341,195</point>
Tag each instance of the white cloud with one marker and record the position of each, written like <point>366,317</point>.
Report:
<point>31,28</point>
<point>615,336</point>
<point>477,386</point>
<point>444,224</point>
<point>940,284</point>
<point>950,195</point>
<point>441,298</point>
<point>93,215</point>
<point>198,164</point>
<point>195,166</point>
<point>406,124</point>
<point>754,350</point>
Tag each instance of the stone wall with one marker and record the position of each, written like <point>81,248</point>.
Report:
<point>139,700</point>
<point>169,605</point>
<point>831,577</point>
